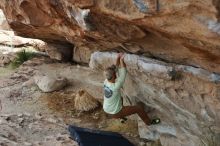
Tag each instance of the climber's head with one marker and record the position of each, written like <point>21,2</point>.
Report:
<point>110,73</point>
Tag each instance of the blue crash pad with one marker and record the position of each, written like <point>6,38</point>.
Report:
<point>88,137</point>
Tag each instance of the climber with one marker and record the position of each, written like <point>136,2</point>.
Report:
<point>112,99</point>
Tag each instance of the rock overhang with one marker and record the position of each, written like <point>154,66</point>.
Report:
<point>184,32</point>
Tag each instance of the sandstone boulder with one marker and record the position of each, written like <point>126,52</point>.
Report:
<point>82,54</point>
<point>8,38</point>
<point>59,51</point>
<point>184,97</point>
<point>3,22</point>
<point>54,53</point>
<point>182,32</point>
<point>49,83</point>
<point>175,64</point>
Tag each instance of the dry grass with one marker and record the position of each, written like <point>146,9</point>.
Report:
<point>70,102</point>
<point>60,102</point>
<point>85,102</point>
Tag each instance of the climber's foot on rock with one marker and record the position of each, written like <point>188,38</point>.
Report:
<point>123,120</point>
<point>155,121</point>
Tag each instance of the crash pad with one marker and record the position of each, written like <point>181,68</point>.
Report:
<point>90,137</point>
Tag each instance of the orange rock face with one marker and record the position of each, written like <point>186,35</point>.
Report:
<point>182,32</point>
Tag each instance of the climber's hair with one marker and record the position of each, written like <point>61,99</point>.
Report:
<point>110,72</point>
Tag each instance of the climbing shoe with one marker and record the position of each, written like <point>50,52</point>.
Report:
<point>155,121</point>
<point>123,120</point>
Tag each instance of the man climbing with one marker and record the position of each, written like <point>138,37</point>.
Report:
<point>112,99</point>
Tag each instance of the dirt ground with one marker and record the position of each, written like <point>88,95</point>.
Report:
<point>31,117</point>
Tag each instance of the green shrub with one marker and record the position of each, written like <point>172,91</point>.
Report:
<point>21,57</point>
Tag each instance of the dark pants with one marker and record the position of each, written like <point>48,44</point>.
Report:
<point>129,110</point>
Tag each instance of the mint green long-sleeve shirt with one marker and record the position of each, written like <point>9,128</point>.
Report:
<point>112,99</point>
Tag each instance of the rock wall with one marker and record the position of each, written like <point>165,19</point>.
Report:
<point>3,22</point>
<point>181,31</point>
<point>175,44</point>
<point>184,97</point>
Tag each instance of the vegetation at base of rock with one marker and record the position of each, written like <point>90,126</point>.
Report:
<point>21,57</point>
<point>62,102</point>
<point>85,102</point>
